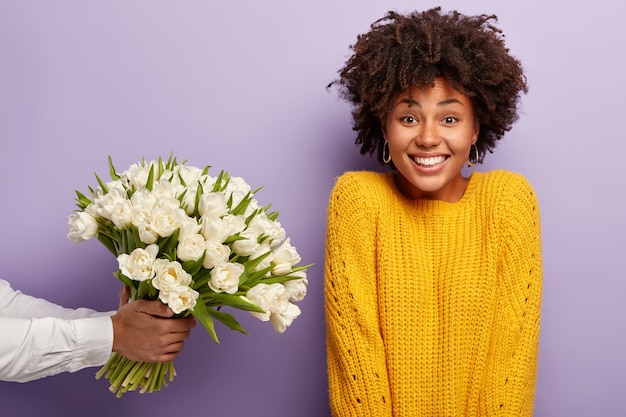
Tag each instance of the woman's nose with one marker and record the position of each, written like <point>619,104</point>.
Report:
<point>427,136</point>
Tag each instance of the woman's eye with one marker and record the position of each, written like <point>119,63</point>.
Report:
<point>449,120</point>
<point>409,119</point>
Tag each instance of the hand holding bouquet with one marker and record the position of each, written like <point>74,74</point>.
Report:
<point>197,243</point>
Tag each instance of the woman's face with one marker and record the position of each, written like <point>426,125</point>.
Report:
<point>430,132</point>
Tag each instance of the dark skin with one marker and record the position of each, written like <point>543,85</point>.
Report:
<point>405,51</point>
<point>144,330</point>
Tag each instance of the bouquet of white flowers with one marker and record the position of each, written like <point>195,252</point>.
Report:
<point>195,242</point>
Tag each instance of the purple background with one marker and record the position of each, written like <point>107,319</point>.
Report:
<point>240,85</point>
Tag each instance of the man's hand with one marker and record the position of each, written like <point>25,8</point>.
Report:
<point>144,330</point>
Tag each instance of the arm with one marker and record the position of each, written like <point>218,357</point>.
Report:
<point>40,338</point>
<point>357,372</point>
<point>15,304</point>
<point>36,347</point>
<point>513,369</point>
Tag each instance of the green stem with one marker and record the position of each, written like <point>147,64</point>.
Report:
<point>127,375</point>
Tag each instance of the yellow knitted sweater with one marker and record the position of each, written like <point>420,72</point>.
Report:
<point>432,308</point>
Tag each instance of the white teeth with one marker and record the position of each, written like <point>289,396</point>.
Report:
<point>429,161</point>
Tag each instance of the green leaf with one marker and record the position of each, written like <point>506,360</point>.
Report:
<point>122,246</point>
<point>251,265</point>
<point>150,182</point>
<point>132,240</point>
<point>112,172</point>
<point>146,291</point>
<point>126,281</point>
<point>104,187</point>
<point>233,238</point>
<point>279,279</point>
<point>301,268</point>
<point>250,278</point>
<point>108,243</point>
<point>217,183</point>
<point>199,193</point>
<point>136,238</point>
<point>232,300</point>
<point>168,245</point>
<point>82,199</point>
<point>166,166</point>
<point>227,319</point>
<point>180,199</point>
<point>252,215</point>
<point>193,267</point>
<point>229,203</point>
<point>221,182</point>
<point>242,206</point>
<point>201,313</point>
<point>181,179</point>
<point>201,279</point>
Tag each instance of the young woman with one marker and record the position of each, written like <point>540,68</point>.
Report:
<point>432,279</point>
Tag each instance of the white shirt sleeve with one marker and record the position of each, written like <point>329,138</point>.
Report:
<point>40,338</point>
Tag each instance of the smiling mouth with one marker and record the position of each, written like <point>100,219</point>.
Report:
<point>431,161</point>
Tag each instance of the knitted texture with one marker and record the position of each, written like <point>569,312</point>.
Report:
<point>432,308</point>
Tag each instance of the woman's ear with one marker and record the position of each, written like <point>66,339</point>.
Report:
<point>383,126</point>
<point>475,132</point>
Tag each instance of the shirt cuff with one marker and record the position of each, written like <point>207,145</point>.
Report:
<point>94,338</point>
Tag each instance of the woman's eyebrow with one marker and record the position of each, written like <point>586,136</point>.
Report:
<point>410,101</point>
<point>449,101</point>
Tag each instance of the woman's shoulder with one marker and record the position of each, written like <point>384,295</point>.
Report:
<point>360,181</point>
<point>506,189</point>
<point>503,182</point>
<point>365,189</point>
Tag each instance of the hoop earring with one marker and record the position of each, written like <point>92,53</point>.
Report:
<point>386,159</point>
<point>473,161</point>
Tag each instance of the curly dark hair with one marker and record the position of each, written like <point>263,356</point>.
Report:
<point>405,50</point>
